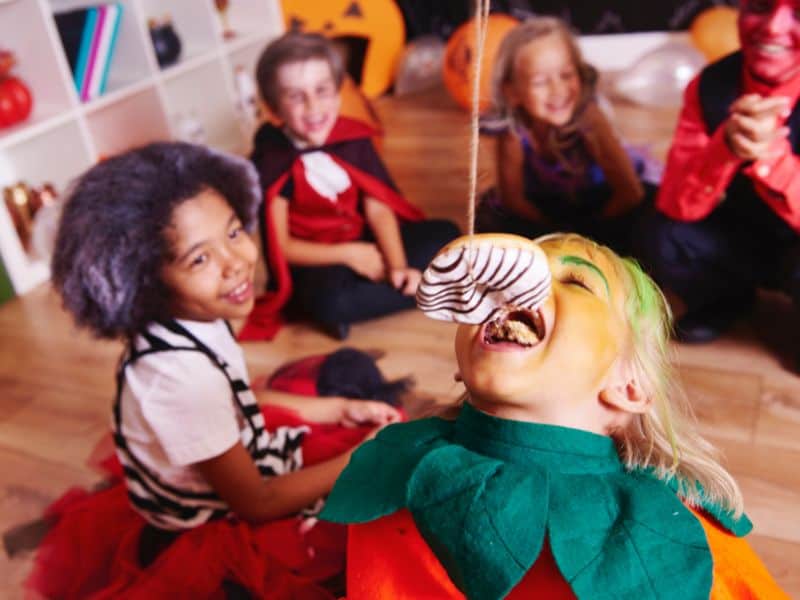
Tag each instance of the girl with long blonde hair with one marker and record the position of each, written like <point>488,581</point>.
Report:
<point>560,164</point>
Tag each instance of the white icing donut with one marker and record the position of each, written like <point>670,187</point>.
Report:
<point>506,271</point>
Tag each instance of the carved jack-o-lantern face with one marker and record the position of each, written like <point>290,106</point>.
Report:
<point>460,55</point>
<point>370,32</point>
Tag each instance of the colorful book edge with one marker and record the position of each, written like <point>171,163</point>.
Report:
<point>114,28</point>
<point>85,49</point>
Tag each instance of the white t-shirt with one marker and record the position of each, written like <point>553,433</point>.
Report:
<point>178,408</point>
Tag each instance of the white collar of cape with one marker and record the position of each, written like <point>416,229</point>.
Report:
<point>323,174</point>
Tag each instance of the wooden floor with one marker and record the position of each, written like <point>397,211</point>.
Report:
<point>57,383</point>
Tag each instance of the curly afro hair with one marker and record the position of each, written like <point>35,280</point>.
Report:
<point>111,245</point>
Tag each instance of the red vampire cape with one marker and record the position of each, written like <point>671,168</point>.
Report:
<point>92,549</point>
<point>312,216</point>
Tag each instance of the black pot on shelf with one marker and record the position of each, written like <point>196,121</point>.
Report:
<point>166,43</point>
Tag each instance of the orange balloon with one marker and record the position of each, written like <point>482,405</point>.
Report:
<point>715,32</point>
<point>459,57</point>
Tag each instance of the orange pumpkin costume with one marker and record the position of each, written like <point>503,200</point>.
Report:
<point>488,508</point>
<point>387,559</point>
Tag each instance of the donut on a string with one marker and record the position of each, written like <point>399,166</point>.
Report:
<point>497,279</point>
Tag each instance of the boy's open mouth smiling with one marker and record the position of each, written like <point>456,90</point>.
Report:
<point>514,329</point>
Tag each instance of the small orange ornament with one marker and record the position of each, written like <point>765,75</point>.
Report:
<point>715,32</point>
<point>459,57</point>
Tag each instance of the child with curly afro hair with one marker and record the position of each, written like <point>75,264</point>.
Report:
<point>153,248</point>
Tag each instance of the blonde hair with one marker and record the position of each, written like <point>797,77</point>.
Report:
<point>561,142</point>
<point>665,438</point>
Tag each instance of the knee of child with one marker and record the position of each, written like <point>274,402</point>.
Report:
<point>435,234</point>
<point>331,308</point>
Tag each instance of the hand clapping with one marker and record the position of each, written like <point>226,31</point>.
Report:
<point>755,124</point>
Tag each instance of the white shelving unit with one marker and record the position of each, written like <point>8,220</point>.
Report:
<point>142,103</point>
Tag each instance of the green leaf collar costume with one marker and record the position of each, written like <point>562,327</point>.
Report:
<point>484,493</point>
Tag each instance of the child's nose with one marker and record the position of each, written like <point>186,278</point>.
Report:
<point>312,102</point>
<point>233,263</point>
<point>557,86</point>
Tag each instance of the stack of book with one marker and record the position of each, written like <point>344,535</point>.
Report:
<point>89,35</point>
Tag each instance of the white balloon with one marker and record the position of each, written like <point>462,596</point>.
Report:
<point>420,66</point>
<point>659,77</point>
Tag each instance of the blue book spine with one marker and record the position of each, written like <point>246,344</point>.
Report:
<point>85,48</point>
<point>117,14</point>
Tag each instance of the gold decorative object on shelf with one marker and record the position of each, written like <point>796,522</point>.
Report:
<point>23,203</point>
<point>222,7</point>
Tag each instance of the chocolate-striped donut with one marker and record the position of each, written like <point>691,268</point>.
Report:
<point>473,278</point>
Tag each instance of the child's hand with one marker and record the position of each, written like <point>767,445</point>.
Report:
<point>405,280</point>
<point>366,260</point>
<point>754,125</point>
<point>356,413</point>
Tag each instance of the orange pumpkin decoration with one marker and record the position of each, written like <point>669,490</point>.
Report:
<point>715,32</point>
<point>357,106</point>
<point>459,57</point>
<point>372,33</point>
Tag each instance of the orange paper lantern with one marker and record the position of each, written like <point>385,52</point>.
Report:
<point>372,32</point>
<point>715,32</point>
<point>459,59</point>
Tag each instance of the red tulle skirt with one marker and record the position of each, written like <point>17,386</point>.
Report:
<point>92,550</point>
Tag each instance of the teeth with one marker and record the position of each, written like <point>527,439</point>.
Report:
<point>239,290</point>
<point>772,48</point>
<point>559,105</point>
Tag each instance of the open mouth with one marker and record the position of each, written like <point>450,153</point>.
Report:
<point>518,327</point>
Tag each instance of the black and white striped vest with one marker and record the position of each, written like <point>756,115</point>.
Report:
<point>167,506</point>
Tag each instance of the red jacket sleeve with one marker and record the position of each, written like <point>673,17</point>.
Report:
<point>699,166</point>
<point>777,180</point>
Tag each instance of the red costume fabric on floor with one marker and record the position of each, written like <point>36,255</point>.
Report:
<point>311,215</point>
<point>92,550</point>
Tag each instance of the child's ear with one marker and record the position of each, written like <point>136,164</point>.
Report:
<point>625,397</point>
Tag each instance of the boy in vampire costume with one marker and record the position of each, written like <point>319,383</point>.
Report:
<point>341,242</point>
